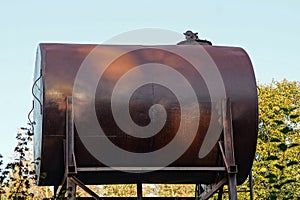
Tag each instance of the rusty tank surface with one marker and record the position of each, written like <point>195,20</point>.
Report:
<point>142,107</point>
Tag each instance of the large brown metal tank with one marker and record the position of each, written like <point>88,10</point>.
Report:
<point>114,88</point>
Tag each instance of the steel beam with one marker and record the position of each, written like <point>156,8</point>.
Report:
<point>229,149</point>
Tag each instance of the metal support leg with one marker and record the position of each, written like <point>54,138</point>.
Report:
<point>251,185</point>
<point>70,163</point>
<point>139,187</point>
<point>214,189</point>
<point>229,149</point>
<point>228,157</point>
<point>85,188</point>
<point>71,189</point>
<point>70,157</point>
<point>71,168</point>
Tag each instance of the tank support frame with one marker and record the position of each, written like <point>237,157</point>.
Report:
<point>227,151</point>
<point>70,181</point>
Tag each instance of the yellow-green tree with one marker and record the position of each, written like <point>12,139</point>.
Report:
<point>17,179</point>
<point>276,168</point>
<point>169,190</point>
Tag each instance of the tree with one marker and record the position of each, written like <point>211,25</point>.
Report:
<point>169,190</point>
<point>276,168</point>
<point>2,177</point>
<point>130,190</point>
<point>18,178</point>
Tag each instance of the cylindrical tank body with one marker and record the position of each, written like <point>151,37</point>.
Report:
<point>142,106</point>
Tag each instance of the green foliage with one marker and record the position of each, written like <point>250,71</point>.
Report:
<point>149,190</point>
<point>276,167</point>
<point>128,190</point>
<point>17,175</point>
<point>17,179</point>
<point>2,177</point>
<point>169,190</point>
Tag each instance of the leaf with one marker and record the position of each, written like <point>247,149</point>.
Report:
<point>278,122</point>
<point>276,108</point>
<point>277,186</point>
<point>286,110</point>
<point>292,162</point>
<point>30,133</point>
<point>43,175</point>
<point>272,178</point>
<point>272,158</point>
<point>271,175</point>
<point>294,116</point>
<point>286,129</point>
<point>287,182</point>
<point>283,147</point>
<point>280,167</point>
<point>293,145</point>
<point>275,140</point>
<point>32,172</point>
<point>263,169</point>
<point>293,108</point>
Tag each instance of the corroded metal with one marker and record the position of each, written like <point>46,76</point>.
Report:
<point>58,64</point>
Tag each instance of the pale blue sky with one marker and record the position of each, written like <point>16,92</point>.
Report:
<point>268,30</point>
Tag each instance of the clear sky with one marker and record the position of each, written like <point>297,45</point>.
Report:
<point>268,30</point>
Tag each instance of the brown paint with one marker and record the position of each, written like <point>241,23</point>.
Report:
<point>58,66</point>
